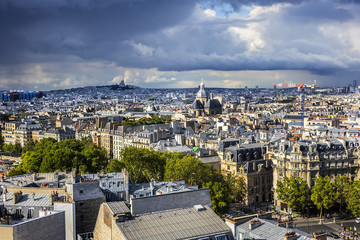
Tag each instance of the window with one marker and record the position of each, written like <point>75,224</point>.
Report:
<point>81,191</point>
<point>30,213</point>
<point>221,237</point>
<point>107,214</point>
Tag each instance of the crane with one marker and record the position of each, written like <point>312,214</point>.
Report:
<point>301,87</point>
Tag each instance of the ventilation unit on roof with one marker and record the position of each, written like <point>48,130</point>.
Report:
<point>199,208</point>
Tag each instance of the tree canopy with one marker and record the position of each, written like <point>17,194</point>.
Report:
<point>49,155</point>
<point>354,199</point>
<point>323,194</point>
<point>295,192</point>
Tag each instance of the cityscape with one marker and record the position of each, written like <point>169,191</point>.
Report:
<point>161,120</point>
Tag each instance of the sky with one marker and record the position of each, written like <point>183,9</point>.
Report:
<point>61,44</point>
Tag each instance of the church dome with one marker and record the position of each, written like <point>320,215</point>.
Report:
<point>201,93</point>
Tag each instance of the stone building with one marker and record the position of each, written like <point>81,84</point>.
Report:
<point>312,159</point>
<point>205,105</point>
<point>247,161</point>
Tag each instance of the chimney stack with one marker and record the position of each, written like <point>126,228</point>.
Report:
<point>34,177</point>
<point>16,197</point>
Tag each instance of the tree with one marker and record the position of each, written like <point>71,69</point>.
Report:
<point>220,198</point>
<point>188,168</point>
<point>354,199</point>
<point>323,194</point>
<point>29,146</point>
<point>49,155</point>
<point>115,166</point>
<point>1,141</point>
<point>342,187</point>
<point>143,164</point>
<point>295,192</point>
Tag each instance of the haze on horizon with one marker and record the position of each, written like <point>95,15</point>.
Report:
<point>60,44</point>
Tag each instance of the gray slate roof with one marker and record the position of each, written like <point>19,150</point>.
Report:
<point>118,207</point>
<point>269,231</point>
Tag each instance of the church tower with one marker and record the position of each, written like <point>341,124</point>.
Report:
<point>201,94</point>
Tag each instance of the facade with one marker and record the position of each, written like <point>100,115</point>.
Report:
<point>247,161</point>
<point>60,134</point>
<point>23,133</point>
<point>312,159</point>
<point>9,132</point>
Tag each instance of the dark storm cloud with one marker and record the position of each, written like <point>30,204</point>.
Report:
<point>32,28</point>
<point>237,4</point>
<point>317,36</point>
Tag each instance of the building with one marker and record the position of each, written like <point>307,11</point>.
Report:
<point>170,216</point>
<point>253,227</point>
<point>312,159</point>
<point>50,225</point>
<point>9,132</point>
<point>205,105</point>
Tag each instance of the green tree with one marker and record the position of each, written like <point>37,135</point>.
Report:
<point>96,156</point>
<point>29,146</point>
<point>220,198</point>
<point>188,168</point>
<point>31,162</point>
<point>49,155</point>
<point>1,141</point>
<point>237,187</point>
<point>323,194</point>
<point>342,187</point>
<point>115,166</point>
<point>143,164</point>
<point>354,199</point>
<point>295,192</point>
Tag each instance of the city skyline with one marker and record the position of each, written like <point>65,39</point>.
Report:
<point>169,44</point>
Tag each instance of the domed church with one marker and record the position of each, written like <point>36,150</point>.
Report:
<point>205,105</point>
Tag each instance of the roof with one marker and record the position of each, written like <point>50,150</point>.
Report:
<point>118,207</point>
<point>270,231</point>
<point>201,93</point>
<point>212,103</point>
<point>212,159</point>
<point>41,199</point>
<point>86,190</point>
<point>197,105</point>
<point>174,224</point>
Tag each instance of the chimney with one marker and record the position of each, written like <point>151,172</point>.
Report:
<point>319,236</point>
<point>231,222</point>
<point>254,224</point>
<point>4,195</point>
<point>152,183</point>
<point>16,197</point>
<point>73,175</point>
<point>34,177</point>
<point>290,236</point>
<point>53,197</point>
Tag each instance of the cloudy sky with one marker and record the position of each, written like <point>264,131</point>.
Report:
<point>54,44</point>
